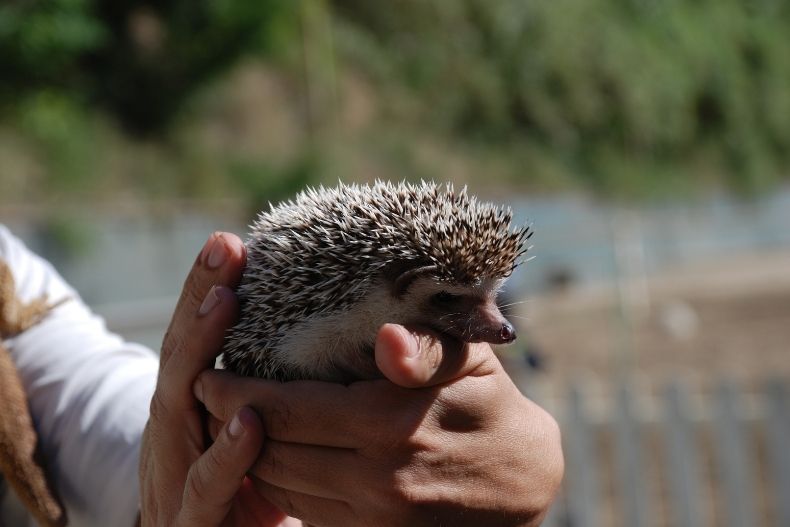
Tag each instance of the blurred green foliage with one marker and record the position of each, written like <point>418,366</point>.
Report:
<point>624,97</point>
<point>140,60</point>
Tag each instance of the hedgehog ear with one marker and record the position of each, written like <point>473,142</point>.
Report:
<point>401,284</point>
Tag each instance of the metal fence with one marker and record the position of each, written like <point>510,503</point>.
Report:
<point>675,458</point>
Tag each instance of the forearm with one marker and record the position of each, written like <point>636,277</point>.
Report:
<point>88,392</point>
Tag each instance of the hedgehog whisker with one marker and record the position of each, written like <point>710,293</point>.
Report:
<point>511,304</point>
<point>447,315</point>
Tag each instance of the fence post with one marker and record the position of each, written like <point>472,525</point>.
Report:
<point>629,460</point>
<point>734,458</point>
<point>583,494</point>
<point>778,439</point>
<point>683,467</point>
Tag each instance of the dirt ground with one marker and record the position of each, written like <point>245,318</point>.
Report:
<point>702,322</point>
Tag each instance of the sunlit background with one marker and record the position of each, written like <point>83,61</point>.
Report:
<point>648,142</point>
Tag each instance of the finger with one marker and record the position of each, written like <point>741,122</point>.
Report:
<point>174,424</point>
<point>310,469</point>
<point>309,412</point>
<point>214,427</point>
<point>250,508</point>
<point>417,357</point>
<point>198,344</point>
<point>310,509</point>
<point>215,478</point>
<point>220,262</point>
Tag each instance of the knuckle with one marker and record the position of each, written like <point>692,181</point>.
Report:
<point>220,394</point>
<point>556,465</point>
<point>198,487</point>
<point>174,341</point>
<point>402,488</point>
<point>290,504</point>
<point>205,473</point>
<point>196,285</point>
<point>214,460</point>
<point>421,440</point>
<point>386,446</point>
<point>148,496</point>
<point>158,407</point>
<point>403,437</point>
<point>192,296</point>
<point>552,428</point>
<point>214,427</point>
<point>408,495</point>
<point>284,500</point>
<point>270,465</point>
<point>213,392</point>
<point>194,292</point>
<point>279,417</point>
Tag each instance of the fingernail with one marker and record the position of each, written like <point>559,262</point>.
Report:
<point>197,390</point>
<point>210,302</point>
<point>235,428</point>
<point>217,254</point>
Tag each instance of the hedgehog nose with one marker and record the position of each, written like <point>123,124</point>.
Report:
<point>508,332</point>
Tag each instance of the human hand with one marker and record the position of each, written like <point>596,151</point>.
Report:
<point>462,447</point>
<point>183,483</point>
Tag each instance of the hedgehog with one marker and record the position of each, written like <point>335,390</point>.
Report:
<point>327,269</point>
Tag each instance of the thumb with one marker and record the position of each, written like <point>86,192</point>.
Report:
<point>215,478</point>
<point>418,357</point>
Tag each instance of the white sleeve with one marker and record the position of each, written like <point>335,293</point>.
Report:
<point>89,394</point>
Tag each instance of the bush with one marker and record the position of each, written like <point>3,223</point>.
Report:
<point>661,90</point>
<point>138,60</point>
<point>621,96</point>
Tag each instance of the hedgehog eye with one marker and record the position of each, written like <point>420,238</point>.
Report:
<point>443,297</point>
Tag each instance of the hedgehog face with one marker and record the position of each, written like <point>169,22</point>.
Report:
<point>467,312</point>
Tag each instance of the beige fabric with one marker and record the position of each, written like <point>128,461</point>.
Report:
<point>18,463</point>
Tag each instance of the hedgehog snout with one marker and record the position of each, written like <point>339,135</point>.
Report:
<point>489,325</point>
<point>508,333</point>
<point>481,323</point>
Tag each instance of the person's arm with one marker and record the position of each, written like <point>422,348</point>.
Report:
<point>88,392</point>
